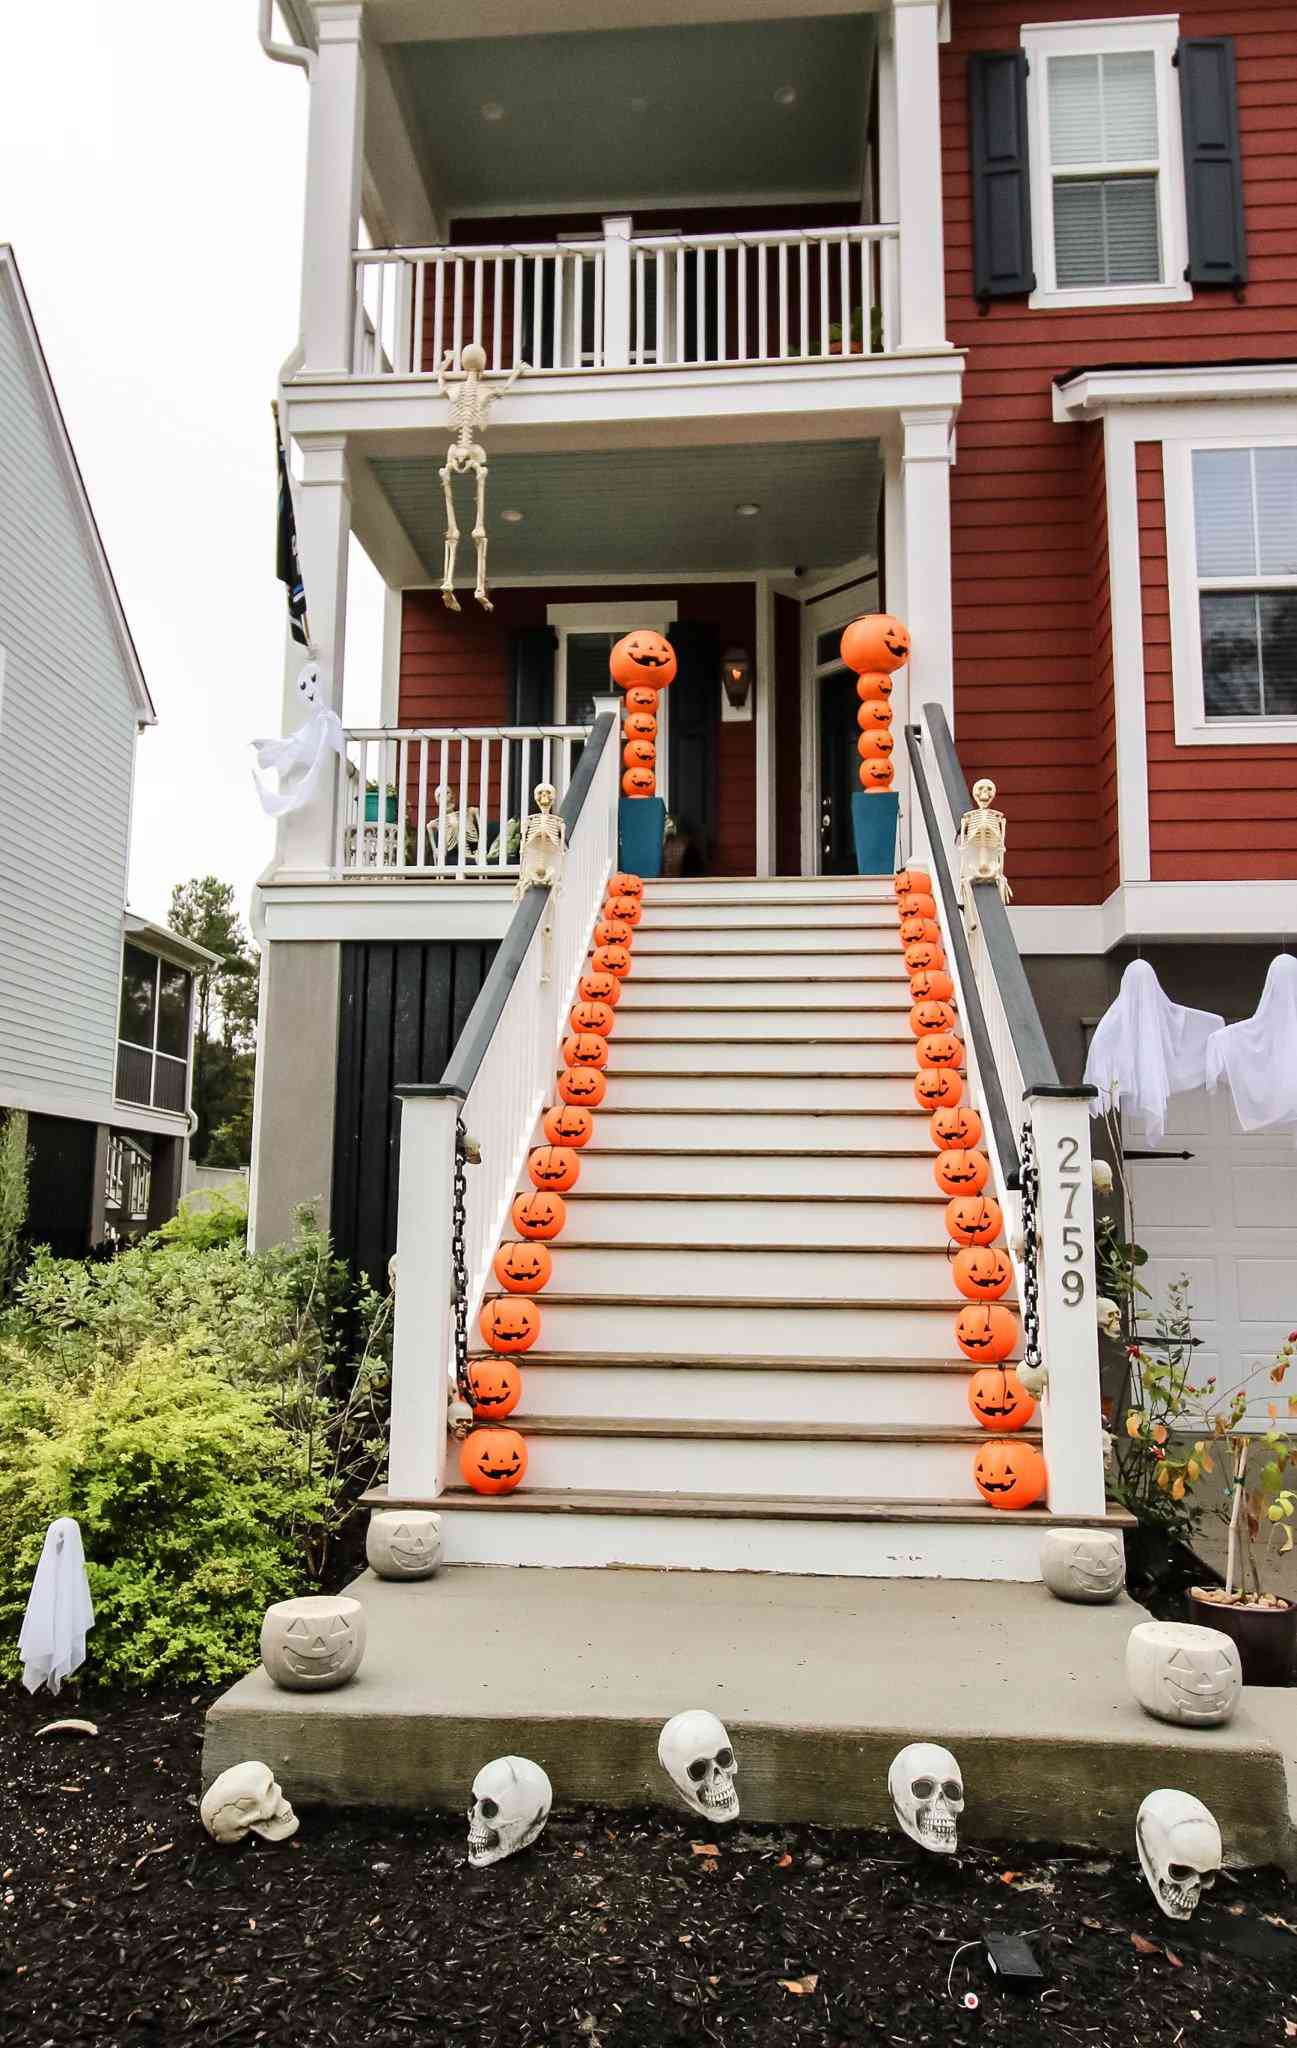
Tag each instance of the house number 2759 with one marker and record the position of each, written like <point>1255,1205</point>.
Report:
<point>1069,1180</point>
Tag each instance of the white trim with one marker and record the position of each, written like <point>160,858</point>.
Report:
<point>616,618</point>
<point>766,685</point>
<point>393,617</point>
<point>1192,726</point>
<point>159,938</point>
<point>1093,393</point>
<point>91,1109</point>
<point>1125,598</point>
<point>1199,913</point>
<point>315,909</point>
<point>1159,34</point>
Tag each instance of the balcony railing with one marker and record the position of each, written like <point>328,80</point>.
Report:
<point>643,302</point>
<point>154,1080</point>
<point>446,801</point>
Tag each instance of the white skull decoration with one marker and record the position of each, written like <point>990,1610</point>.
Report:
<point>246,1799</point>
<point>511,1802</point>
<point>927,1791</point>
<point>1179,1850</point>
<point>696,1754</point>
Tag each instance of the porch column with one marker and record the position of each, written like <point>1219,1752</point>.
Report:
<point>916,125</point>
<point>616,292</point>
<point>1070,1414</point>
<point>305,838</point>
<point>331,223</point>
<point>421,1330</point>
<point>764,712</point>
<point>925,467</point>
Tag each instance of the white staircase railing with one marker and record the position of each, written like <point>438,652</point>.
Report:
<point>499,1077</point>
<point>1012,1069</point>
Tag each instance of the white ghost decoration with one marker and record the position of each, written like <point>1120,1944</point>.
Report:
<point>245,1799</point>
<point>698,1757</point>
<point>1259,1057</point>
<point>300,758</point>
<point>927,1793</point>
<point>1147,1049</point>
<point>511,1802</point>
<point>1179,1850</point>
<point>52,1643</point>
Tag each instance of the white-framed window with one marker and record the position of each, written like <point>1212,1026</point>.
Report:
<point>1107,177</point>
<point>587,634</point>
<point>1231,533</point>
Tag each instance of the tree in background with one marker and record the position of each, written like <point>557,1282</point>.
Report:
<point>225,1029</point>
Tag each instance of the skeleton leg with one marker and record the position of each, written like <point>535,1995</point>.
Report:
<point>479,540</point>
<point>448,596</point>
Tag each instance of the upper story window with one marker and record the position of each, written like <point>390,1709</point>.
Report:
<point>1107,187</point>
<point>153,1032</point>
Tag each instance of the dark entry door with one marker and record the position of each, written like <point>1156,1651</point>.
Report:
<point>838,764</point>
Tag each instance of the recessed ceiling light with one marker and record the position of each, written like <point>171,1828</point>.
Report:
<point>747,510</point>
<point>639,105</point>
<point>492,110</point>
<point>512,516</point>
<point>786,96</point>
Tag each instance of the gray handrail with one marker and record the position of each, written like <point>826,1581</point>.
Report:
<point>997,1115</point>
<point>1039,1073</point>
<point>471,1046</point>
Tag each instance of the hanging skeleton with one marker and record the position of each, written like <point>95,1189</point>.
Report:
<point>981,844</point>
<point>469,403</point>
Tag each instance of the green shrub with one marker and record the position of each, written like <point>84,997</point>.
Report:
<point>15,1157</point>
<point>208,1217</point>
<point>191,1498</point>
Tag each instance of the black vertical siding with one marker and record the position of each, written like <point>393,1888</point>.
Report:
<point>403,1006</point>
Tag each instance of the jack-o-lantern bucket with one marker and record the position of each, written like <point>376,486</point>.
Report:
<point>568,1123</point>
<point>957,1129</point>
<point>638,782</point>
<point>875,743</point>
<point>981,1274</point>
<point>599,988</point>
<point>929,1016</point>
<point>876,774</point>
<point>940,1049</point>
<point>626,910</point>
<point>639,754</point>
<point>585,1086</point>
<point>643,660</point>
<point>875,641</point>
<point>623,884</point>
<point>611,956</point>
<point>495,1386</point>
<point>937,1088</point>
<point>493,1460</point>
<point>612,931</point>
<point>875,714</point>
<point>987,1335</point>
<point>596,1017</point>
<point>931,984</point>
<point>540,1214</point>
<point>585,1049</point>
<point>998,1399</point>
<point>1009,1473</point>
<point>974,1219</point>
<point>875,687</point>
<point>523,1267</point>
<point>553,1169</point>
<point>961,1173</point>
<point>509,1322</point>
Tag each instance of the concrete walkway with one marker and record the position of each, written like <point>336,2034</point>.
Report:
<point>819,1681</point>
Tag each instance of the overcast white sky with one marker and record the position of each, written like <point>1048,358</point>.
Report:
<point>151,172</point>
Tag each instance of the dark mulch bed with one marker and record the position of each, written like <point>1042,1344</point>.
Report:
<point>124,1926</point>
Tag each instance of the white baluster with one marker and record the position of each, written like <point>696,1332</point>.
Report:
<point>421,819</point>
<point>804,298</point>
<point>741,259</point>
<point>483,800</point>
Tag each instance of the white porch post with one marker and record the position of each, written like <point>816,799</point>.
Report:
<point>765,727</point>
<point>333,179</point>
<point>323,498</point>
<point>917,130</point>
<point>1071,1419</point>
<point>616,292</point>
<point>925,457</point>
<point>421,1330</point>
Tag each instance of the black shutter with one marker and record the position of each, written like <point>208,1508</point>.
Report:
<point>531,697</point>
<point>1213,172</point>
<point>691,722</point>
<point>1001,179</point>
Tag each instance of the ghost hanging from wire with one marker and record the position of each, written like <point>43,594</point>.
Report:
<point>300,758</point>
<point>1147,1049</point>
<point>1259,1056</point>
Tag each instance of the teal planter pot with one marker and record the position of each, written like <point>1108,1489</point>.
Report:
<point>371,807</point>
<point>874,819</point>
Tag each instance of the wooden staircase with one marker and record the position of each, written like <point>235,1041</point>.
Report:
<point>746,1358</point>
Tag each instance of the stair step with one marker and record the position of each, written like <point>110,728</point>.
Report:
<point>883,970</point>
<point>640,1154</point>
<point>778,890</point>
<point>635,1053</point>
<point>760,995</point>
<point>761,1088</point>
<point>629,1274</point>
<point>810,913</point>
<point>758,1507</point>
<point>764,1023</point>
<point>785,941</point>
<point>774,1222</point>
<point>835,1392</point>
<point>710,1325</point>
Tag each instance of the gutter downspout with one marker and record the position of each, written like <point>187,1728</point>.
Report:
<point>281,53</point>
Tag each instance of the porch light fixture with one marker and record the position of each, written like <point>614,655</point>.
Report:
<point>748,510</point>
<point>736,676</point>
<point>786,96</point>
<point>492,110</point>
<point>512,516</point>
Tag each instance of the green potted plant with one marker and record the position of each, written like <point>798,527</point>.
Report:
<point>857,330</point>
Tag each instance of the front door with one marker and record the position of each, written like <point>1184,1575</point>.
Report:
<point>829,730</point>
<point>836,711</point>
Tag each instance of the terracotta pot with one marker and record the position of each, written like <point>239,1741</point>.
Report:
<point>1266,1637</point>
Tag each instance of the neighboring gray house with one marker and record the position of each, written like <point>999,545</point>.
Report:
<point>96,1004</point>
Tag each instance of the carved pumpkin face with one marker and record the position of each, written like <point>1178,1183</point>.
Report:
<point>568,1124</point>
<point>638,782</point>
<point>974,1219</point>
<point>934,982</point>
<point>612,957</point>
<point>986,1335</point>
<point>911,882</point>
<point>509,1322</point>
<point>981,1274</point>
<point>612,931</point>
<point>873,687</point>
<point>639,698</point>
<point>643,660</point>
<point>961,1173</point>
<point>599,988</point>
<point>596,1017</point>
<point>495,1387</point>
<point>998,1398</point>
<point>917,903</point>
<point>554,1168</point>
<point>937,1088</point>
<point>927,1017</point>
<point>538,1214</point>
<point>924,953</point>
<point>493,1460</point>
<point>876,773</point>
<point>623,884</point>
<point>585,1049</point>
<point>875,641</point>
<point>641,725</point>
<point>876,744</point>
<point>957,1129</point>
<point>623,910</point>
<point>875,714</point>
<point>523,1268</point>
<point>639,754</point>
<point>583,1085</point>
<point>915,928</point>
<point>1009,1475</point>
<point>940,1049</point>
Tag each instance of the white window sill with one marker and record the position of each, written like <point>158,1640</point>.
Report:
<point>1238,732</point>
<point>1115,295</point>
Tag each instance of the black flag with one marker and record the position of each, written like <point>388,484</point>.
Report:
<point>287,566</point>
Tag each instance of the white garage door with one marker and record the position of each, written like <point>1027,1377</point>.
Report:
<point>1228,1218</point>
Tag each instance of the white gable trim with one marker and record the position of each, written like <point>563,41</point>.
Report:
<point>42,384</point>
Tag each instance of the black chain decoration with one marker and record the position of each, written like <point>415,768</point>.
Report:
<point>1030,1274</point>
<point>459,1259</point>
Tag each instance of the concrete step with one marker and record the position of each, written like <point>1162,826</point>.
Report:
<point>761,1088</point>
<point>844,890</point>
<point>811,913</point>
<point>785,941</point>
<point>884,995</point>
<point>772,1221</point>
<point>672,1023</point>
<point>632,1052</point>
<point>625,1272</point>
<point>833,1391</point>
<point>712,1326</point>
<point>646,1155</point>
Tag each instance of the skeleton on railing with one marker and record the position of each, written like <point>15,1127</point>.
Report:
<point>981,845</point>
<point>469,404</point>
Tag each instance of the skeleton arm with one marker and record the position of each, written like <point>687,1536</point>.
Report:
<point>489,396</point>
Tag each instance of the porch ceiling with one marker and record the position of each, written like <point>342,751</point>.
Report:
<point>641,511</point>
<point>640,115</point>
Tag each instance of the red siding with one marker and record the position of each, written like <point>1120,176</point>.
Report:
<point>455,671</point>
<point>1032,667</point>
<point>1216,814</point>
